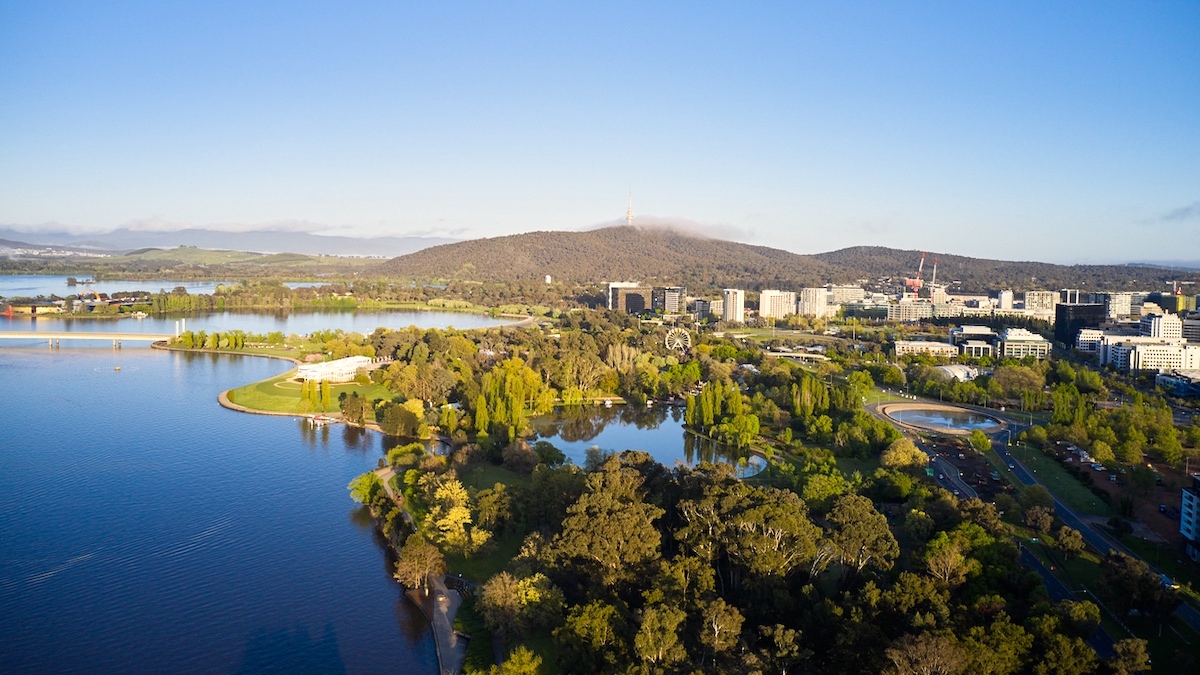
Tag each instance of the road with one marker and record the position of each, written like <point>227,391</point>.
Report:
<point>1101,641</point>
<point>1098,540</point>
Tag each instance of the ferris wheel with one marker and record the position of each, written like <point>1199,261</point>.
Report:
<point>679,339</point>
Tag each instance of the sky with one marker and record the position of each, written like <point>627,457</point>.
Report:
<point>1057,131</point>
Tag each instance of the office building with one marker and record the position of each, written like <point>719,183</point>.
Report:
<point>669,299</point>
<point>777,304</point>
<point>910,311</point>
<point>840,295</point>
<point>1118,305</point>
<point>1005,300</point>
<point>734,309</point>
<point>633,300</point>
<point>1161,326</point>
<point>1181,383</point>
<point>945,349</point>
<point>1189,518</point>
<point>960,334</point>
<point>1041,300</point>
<point>815,302</point>
<point>1017,343</point>
<point>613,286</point>
<point>1069,318</point>
<point>1191,330</point>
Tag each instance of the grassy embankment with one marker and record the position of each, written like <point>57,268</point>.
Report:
<point>277,394</point>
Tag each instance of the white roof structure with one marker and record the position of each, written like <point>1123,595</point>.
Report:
<point>338,370</point>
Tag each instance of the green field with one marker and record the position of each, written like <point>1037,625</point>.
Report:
<point>1062,484</point>
<point>279,395</point>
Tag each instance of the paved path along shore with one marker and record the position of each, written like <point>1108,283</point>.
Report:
<point>439,603</point>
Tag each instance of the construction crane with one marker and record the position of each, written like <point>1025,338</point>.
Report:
<point>933,281</point>
<point>915,284</point>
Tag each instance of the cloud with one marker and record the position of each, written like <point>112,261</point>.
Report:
<point>681,226</point>
<point>1181,214</point>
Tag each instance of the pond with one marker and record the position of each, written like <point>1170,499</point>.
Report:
<point>658,431</point>
<point>939,419</point>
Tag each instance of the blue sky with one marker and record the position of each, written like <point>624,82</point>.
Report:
<point>1023,130</point>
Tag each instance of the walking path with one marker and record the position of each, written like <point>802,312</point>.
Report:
<point>440,608</point>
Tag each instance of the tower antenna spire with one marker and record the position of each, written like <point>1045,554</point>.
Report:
<point>629,212</point>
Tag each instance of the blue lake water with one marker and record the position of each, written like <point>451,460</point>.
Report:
<point>945,419</point>
<point>33,285</point>
<point>147,529</point>
<point>299,323</point>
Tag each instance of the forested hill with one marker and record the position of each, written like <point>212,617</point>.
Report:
<point>667,256</point>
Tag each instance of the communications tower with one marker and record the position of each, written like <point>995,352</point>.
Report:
<point>629,212</point>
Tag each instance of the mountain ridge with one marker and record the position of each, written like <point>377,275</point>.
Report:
<point>668,256</point>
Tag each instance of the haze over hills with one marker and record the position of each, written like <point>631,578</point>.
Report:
<point>663,255</point>
<point>257,241</point>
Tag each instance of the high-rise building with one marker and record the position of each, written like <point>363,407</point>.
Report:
<point>814,302</point>
<point>1191,330</point>
<point>1118,305</point>
<point>1041,300</point>
<point>633,300</point>
<point>909,311</point>
<point>613,286</point>
<point>1070,296</point>
<point>1162,326</point>
<point>670,299</point>
<point>1070,317</point>
<point>1005,299</point>
<point>840,295</point>
<point>777,304</point>
<point>734,309</point>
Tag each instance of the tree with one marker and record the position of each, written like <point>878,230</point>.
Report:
<point>1131,657</point>
<point>925,654</point>
<point>998,649</point>
<point>722,623</point>
<point>903,453</point>
<point>418,561</point>
<point>1040,518</point>
<point>364,488</point>
<point>1068,542</point>
<point>592,637</point>
<point>860,535</point>
<point>657,640</point>
<point>512,607</point>
<point>326,395</point>
<point>1066,656</point>
<point>520,661</point>
<point>611,529</point>
<point>945,560</point>
<point>979,441</point>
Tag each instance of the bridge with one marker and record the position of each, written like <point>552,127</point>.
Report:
<point>55,336</point>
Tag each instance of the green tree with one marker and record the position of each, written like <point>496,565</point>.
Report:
<point>611,528</point>
<point>417,562</point>
<point>592,638</point>
<point>860,535</point>
<point>364,488</point>
<point>520,661</point>
<point>657,640</point>
<point>980,441</point>
<point>903,453</point>
<point>1068,542</point>
<point>925,654</point>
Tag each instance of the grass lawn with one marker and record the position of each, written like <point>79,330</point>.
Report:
<point>481,567</point>
<point>279,395</point>
<point>480,657</point>
<point>484,475</point>
<point>878,395</point>
<point>1062,484</point>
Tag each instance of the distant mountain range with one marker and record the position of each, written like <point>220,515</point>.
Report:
<point>259,241</point>
<point>666,256</point>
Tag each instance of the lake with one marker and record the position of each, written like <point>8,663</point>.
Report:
<point>33,285</point>
<point>146,528</point>
<point>298,322</point>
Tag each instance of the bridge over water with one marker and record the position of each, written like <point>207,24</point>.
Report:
<point>54,337</point>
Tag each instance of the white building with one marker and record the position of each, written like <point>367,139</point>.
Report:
<point>1005,300</point>
<point>909,311</point>
<point>840,295</point>
<point>1017,343</point>
<point>338,370</point>
<point>1041,300</point>
<point>777,304</point>
<point>962,333</point>
<point>1162,326</point>
<point>945,349</point>
<point>734,308</point>
<point>1118,305</point>
<point>814,302</point>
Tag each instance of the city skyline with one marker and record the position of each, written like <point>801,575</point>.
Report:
<point>1015,131</point>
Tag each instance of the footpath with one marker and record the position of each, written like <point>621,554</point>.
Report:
<point>439,603</point>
